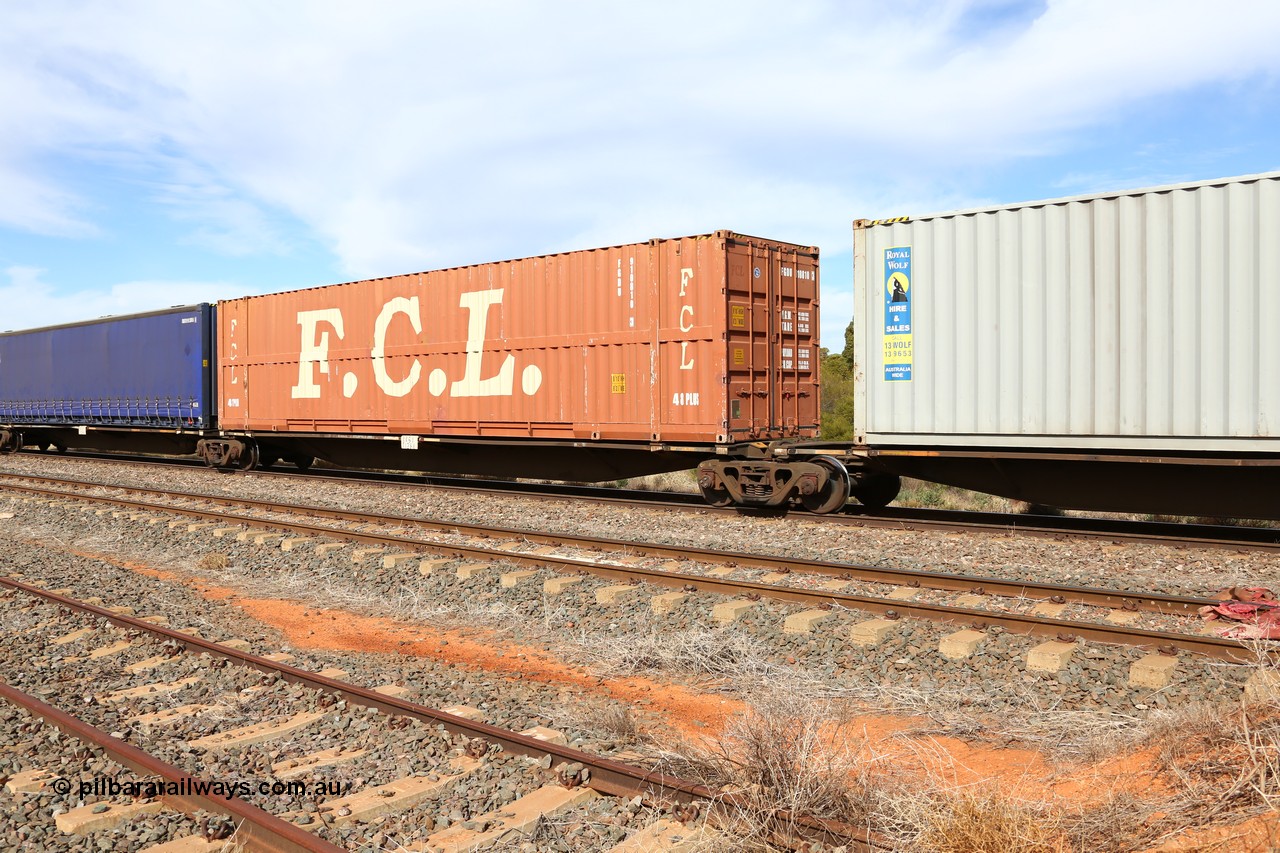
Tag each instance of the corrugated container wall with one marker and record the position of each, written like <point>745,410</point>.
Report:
<point>708,339</point>
<point>1146,319</point>
<point>143,370</point>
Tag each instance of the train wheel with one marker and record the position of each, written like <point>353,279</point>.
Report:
<point>302,463</point>
<point>877,491</point>
<point>266,459</point>
<point>249,457</point>
<point>834,495</point>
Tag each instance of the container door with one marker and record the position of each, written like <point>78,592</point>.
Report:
<point>232,387</point>
<point>750,285</point>
<point>796,304</point>
<point>773,340</point>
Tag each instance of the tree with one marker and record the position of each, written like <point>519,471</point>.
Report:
<point>837,397</point>
<point>848,345</point>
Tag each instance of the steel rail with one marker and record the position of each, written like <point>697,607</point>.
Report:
<point>1038,626</point>
<point>606,775</point>
<point>1173,534</point>
<point>1154,602</point>
<point>259,829</point>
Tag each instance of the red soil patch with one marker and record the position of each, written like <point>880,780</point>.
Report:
<point>1256,835</point>
<point>693,713</point>
<point>478,649</point>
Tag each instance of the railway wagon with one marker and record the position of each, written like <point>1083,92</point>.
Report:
<point>586,365</point>
<point>1117,351</point>
<point>140,383</point>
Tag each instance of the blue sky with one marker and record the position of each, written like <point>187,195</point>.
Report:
<point>157,153</point>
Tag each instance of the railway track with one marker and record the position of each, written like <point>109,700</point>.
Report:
<point>1175,534</point>
<point>558,779</point>
<point>1034,609</point>
<point>256,829</point>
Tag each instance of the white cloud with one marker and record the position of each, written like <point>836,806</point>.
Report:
<point>41,207</point>
<point>223,220</point>
<point>32,302</point>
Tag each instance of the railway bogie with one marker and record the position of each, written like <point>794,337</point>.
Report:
<point>821,484</point>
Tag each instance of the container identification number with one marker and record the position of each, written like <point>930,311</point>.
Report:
<point>795,321</point>
<point>791,362</point>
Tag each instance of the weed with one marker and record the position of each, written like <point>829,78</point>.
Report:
<point>781,757</point>
<point>610,719</point>
<point>987,822</point>
<point>213,562</point>
<point>717,652</point>
<point>672,481</point>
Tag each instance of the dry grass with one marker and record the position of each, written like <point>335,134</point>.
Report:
<point>672,481</point>
<point>783,756</point>
<point>1122,821</point>
<point>790,752</point>
<point>611,720</point>
<point>1221,765</point>
<point>709,652</point>
<point>987,822</point>
<point>213,562</point>
<point>1226,763</point>
<point>1004,715</point>
<point>920,493</point>
<point>344,588</point>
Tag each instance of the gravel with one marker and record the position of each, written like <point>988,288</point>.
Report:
<point>394,752</point>
<point>27,821</point>
<point>592,633</point>
<point>1175,570</point>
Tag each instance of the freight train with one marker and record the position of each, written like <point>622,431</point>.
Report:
<point>588,365</point>
<point>1111,352</point>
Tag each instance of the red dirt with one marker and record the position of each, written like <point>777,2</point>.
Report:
<point>691,712</point>
<point>478,649</point>
<point>1256,835</point>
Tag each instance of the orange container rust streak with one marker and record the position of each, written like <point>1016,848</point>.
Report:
<point>706,339</point>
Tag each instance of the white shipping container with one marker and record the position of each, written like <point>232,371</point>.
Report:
<point>1141,320</point>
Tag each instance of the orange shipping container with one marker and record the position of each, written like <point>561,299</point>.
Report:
<point>705,339</point>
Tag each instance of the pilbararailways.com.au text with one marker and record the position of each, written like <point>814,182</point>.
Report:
<point>239,789</point>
